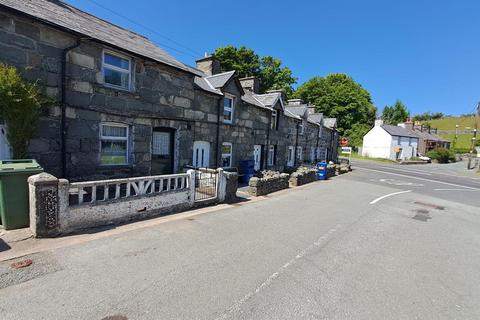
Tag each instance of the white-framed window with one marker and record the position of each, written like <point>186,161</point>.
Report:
<point>274,119</point>
<point>299,153</point>
<point>226,154</point>
<point>290,156</point>
<point>113,143</point>
<point>117,70</point>
<point>228,102</point>
<point>271,155</point>
<point>301,128</point>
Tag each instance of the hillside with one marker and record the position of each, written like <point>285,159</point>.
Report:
<point>448,124</point>
<point>446,129</point>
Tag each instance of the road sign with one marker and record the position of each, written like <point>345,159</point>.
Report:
<point>344,142</point>
<point>347,150</point>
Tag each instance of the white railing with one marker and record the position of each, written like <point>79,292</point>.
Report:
<point>94,191</point>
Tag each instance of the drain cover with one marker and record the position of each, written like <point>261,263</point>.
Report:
<point>115,317</point>
<point>422,215</point>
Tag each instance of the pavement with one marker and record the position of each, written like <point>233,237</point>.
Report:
<point>376,243</point>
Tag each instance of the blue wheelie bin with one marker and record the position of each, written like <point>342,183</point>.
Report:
<point>322,171</point>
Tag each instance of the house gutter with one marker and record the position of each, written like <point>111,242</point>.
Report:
<point>63,123</point>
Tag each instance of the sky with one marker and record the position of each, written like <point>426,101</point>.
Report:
<point>423,52</point>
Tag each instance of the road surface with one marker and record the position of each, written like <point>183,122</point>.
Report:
<point>382,242</point>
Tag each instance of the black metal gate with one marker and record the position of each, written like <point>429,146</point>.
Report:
<point>205,184</point>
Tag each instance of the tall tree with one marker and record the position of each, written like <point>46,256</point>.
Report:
<point>395,114</point>
<point>339,96</point>
<point>267,69</point>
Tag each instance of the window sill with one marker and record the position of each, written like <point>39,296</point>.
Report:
<point>115,88</point>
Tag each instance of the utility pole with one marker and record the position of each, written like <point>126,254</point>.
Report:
<point>474,138</point>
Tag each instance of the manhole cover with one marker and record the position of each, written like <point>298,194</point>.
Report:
<point>21,264</point>
<point>422,215</point>
<point>117,317</point>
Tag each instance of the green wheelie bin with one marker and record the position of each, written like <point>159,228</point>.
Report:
<point>14,205</point>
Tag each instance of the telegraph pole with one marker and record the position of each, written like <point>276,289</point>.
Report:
<point>474,138</point>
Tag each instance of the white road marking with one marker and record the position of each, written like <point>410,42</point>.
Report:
<point>418,178</point>
<point>400,183</point>
<point>389,195</point>
<point>454,190</point>
<point>237,305</point>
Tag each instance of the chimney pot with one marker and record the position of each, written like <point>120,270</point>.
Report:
<point>251,84</point>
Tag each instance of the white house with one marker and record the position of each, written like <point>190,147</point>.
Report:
<point>390,142</point>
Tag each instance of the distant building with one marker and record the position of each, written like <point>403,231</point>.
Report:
<point>390,142</point>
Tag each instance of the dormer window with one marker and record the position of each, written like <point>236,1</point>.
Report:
<point>228,109</point>
<point>117,70</point>
<point>274,124</point>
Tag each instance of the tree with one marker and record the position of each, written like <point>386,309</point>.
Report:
<point>395,114</point>
<point>267,69</point>
<point>21,104</point>
<point>356,133</point>
<point>339,96</point>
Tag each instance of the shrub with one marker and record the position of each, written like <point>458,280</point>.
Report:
<point>442,155</point>
<point>21,104</point>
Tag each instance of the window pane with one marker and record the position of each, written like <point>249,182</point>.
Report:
<point>117,61</point>
<point>116,78</point>
<point>226,161</point>
<point>161,143</point>
<point>114,131</point>
<point>227,103</point>
<point>113,152</point>
<point>227,115</point>
<point>226,149</point>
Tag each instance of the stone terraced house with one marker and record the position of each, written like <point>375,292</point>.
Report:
<point>125,107</point>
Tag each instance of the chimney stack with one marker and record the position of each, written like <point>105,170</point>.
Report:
<point>251,84</point>
<point>378,123</point>
<point>295,102</point>
<point>209,65</point>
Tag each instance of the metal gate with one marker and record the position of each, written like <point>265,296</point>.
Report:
<point>205,184</point>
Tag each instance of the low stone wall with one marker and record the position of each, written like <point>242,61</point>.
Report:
<point>59,207</point>
<point>303,176</point>
<point>268,184</point>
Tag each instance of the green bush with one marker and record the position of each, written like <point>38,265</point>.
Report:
<point>21,104</point>
<point>442,155</point>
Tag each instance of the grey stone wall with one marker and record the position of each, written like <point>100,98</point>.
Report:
<point>161,97</point>
<point>262,186</point>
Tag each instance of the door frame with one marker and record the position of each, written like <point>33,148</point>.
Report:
<point>204,143</point>
<point>259,147</point>
<point>172,145</point>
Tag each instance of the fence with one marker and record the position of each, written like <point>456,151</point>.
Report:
<point>205,185</point>
<point>57,206</point>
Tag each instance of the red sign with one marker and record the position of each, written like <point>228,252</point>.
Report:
<point>344,142</point>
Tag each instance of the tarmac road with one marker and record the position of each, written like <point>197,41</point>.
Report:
<point>377,243</point>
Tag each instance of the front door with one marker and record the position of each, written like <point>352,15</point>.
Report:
<point>201,154</point>
<point>162,151</point>
<point>257,156</point>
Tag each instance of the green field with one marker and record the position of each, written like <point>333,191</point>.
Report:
<point>465,124</point>
<point>450,123</point>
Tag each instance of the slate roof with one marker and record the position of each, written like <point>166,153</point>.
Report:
<point>205,85</point>
<point>220,79</point>
<point>67,17</point>
<point>398,131</point>
<point>268,99</point>
<point>429,136</point>
<point>251,98</point>
<point>330,122</point>
<point>316,117</point>
<point>291,115</point>
<point>297,110</point>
